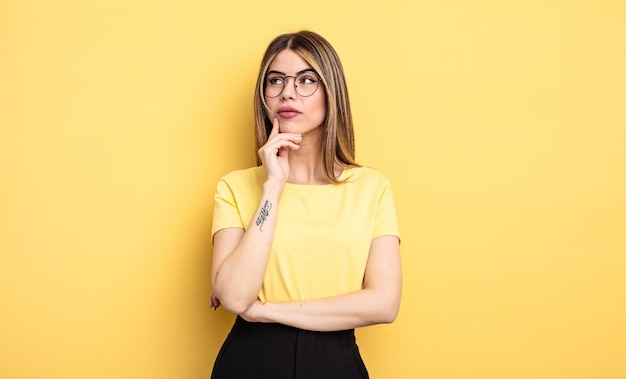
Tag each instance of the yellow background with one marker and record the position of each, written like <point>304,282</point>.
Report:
<point>501,125</point>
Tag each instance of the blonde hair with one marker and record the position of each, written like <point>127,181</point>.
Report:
<point>338,130</point>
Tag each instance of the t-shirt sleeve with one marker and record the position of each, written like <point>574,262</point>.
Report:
<point>386,221</point>
<point>226,212</point>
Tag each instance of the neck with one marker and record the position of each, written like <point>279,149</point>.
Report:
<point>305,164</point>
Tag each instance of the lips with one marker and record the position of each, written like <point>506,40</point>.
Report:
<point>288,112</point>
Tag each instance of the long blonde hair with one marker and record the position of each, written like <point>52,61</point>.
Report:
<point>338,130</point>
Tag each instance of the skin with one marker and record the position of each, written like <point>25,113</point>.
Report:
<point>305,160</point>
<point>292,154</point>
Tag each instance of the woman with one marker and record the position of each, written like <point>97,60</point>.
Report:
<point>306,245</point>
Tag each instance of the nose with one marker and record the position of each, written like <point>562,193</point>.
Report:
<point>289,90</point>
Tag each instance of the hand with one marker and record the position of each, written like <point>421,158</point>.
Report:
<point>215,302</point>
<point>275,153</point>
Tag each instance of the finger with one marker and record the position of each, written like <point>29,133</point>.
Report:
<point>288,146</point>
<point>283,152</point>
<point>215,302</point>
<point>275,127</point>
<point>282,138</point>
<point>281,145</point>
<point>293,137</point>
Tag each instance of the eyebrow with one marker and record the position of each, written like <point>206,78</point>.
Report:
<point>297,73</point>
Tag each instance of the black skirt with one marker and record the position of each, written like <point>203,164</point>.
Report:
<point>276,351</point>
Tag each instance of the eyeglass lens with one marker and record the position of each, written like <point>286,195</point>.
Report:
<point>306,83</point>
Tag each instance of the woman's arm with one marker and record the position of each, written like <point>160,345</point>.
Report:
<point>377,303</point>
<point>240,256</point>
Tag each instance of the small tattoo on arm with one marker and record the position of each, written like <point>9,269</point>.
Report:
<point>265,211</point>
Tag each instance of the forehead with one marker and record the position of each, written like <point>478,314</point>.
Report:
<point>289,62</point>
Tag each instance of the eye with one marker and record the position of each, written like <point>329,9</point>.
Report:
<point>275,80</point>
<point>308,78</point>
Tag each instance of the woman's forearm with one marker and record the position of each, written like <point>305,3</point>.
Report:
<point>242,258</point>
<point>377,303</point>
<point>352,310</point>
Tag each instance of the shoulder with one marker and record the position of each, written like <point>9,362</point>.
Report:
<point>246,182</point>
<point>245,176</point>
<point>364,176</point>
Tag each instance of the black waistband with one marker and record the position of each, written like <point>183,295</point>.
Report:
<point>274,333</point>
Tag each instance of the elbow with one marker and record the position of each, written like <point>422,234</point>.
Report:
<point>234,300</point>
<point>236,308</point>
<point>387,316</point>
<point>236,305</point>
<point>390,318</point>
<point>387,312</point>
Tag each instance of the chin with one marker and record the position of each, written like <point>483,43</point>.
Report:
<point>288,126</point>
<point>295,127</point>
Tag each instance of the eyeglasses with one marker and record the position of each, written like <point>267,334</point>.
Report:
<point>305,83</point>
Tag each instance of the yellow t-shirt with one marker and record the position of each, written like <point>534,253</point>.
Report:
<point>323,232</point>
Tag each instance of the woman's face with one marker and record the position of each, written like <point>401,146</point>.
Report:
<point>296,113</point>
